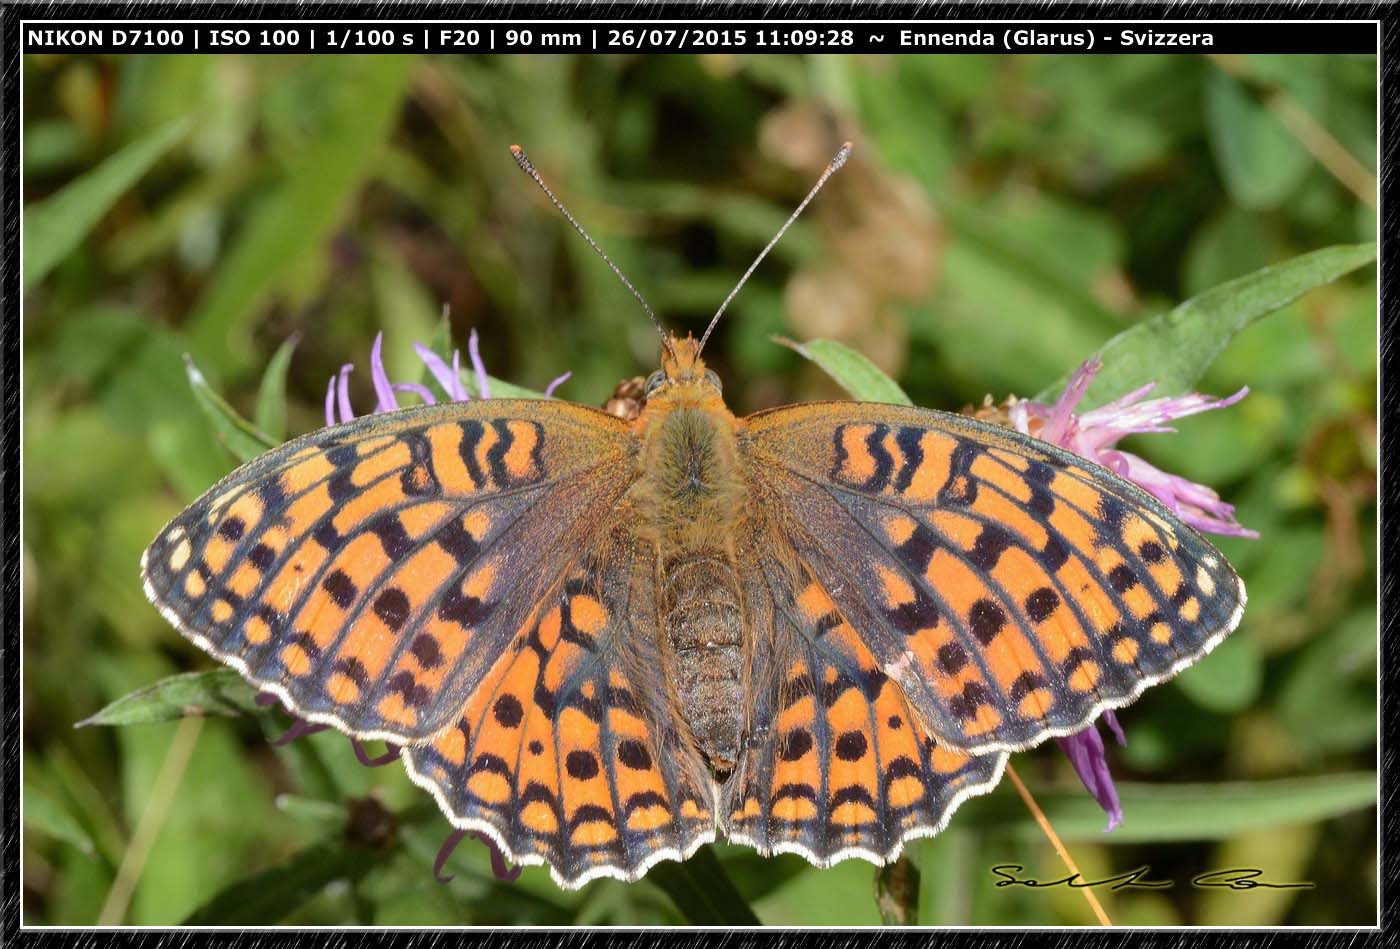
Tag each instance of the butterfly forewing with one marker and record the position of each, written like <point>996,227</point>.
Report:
<point>1012,589</point>
<point>370,573</point>
<point>569,752</point>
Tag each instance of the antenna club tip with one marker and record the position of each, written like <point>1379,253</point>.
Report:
<point>518,154</point>
<point>841,155</point>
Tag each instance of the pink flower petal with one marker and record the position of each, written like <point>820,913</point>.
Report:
<point>1085,751</point>
<point>330,402</point>
<point>483,382</point>
<point>549,389</point>
<point>444,376</point>
<point>382,390</point>
<point>445,851</point>
<point>459,388</point>
<point>423,392</point>
<point>344,392</point>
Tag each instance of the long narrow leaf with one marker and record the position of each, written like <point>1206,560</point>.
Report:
<point>237,433</point>
<point>297,216</point>
<point>213,692</point>
<point>856,374</point>
<point>1175,348</point>
<point>702,891</point>
<point>55,226</point>
<point>49,816</point>
<point>271,412</point>
<point>1173,812</point>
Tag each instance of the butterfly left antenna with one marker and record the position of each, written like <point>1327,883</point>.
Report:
<point>528,167</point>
<point>832,168</point>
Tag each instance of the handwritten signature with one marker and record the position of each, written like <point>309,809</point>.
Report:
<point>1234,878</point>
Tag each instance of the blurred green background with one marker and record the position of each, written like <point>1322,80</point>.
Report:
<point>1001,219</point>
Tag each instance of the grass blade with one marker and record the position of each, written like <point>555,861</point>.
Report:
<point>270,416</point>
<point>293,222</point>
<point>236,432</point>
<point>47,815</point>
<point>1159,813</point>
<point>57,225</point>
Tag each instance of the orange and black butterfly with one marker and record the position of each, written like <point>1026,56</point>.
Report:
<point>815,629</point>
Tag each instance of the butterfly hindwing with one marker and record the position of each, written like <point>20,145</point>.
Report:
<point>1014,590</point>
<point>569,752</point>
<point>371,573</point>
<point>836,763</point>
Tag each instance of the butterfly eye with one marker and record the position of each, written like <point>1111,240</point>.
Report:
<point>713,380</point>
<point>654,381</point>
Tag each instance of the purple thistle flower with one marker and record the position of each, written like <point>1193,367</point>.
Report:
<point>1093,434</point>
<point>1086,752</point>
<point>338,408</point>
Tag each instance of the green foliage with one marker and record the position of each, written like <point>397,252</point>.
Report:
<point>270,417</point>
<point>1259,158</point>
<point>237,433</point>
<point>219,691</point>
<point>274,894</point>
<point>327,150</point>
<point>53,228</point>
<point>1001,221</point>
<point>851,370</point>
<point>1165,812</point>
<point>1176,348</point>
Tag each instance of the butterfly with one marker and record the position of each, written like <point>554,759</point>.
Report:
<point>604,641</point>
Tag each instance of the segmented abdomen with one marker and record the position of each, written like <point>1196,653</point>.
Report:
<point>703,623</point>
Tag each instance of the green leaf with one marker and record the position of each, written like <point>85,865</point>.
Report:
<point>214,692</point>
<point>326,815</point>
<point>1261,161</point>
<point>755,875</point>
<point>271,412</point>
<point>49,816</point>
<point>1327,700</point>
<point>356,101</point>
<point>1227,680</point>
<point>500,389</point>
<point>274,894</point>
<point>856,374</point>
<point>55,226</point>
<point>702,891</point>
<point>1158,813</point>
<point>1175,348</point>
<point>236,432</point>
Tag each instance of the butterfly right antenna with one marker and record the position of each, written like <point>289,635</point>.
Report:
<point>832,168</point>
<point>528,167</point>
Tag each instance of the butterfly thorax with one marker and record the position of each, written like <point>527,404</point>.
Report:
<point>690,488</point>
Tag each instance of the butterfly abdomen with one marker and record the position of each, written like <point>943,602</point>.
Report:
<point>703,624</point>
<point>693,501</point>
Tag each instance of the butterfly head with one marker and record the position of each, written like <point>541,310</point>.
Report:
<point>682,372</point>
